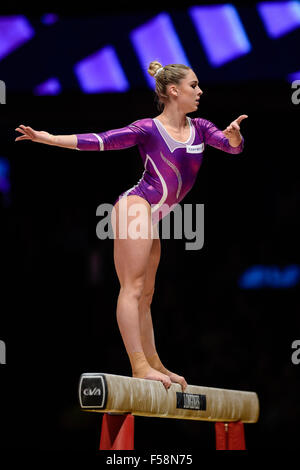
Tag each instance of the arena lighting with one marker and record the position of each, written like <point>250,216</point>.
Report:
<point>279,18</point>
<point>51,86</point>
<point>101,72</point>
<point>157,40</point>
<point>14,31</point>
<point>259,277</point>
<point>293,76</point>
<point>221,33</point>
<point>153,39</point>
<point>4,175</point>
<point>49,18</point>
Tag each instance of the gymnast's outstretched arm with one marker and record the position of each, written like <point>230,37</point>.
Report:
<point>42,137</point>
<point>115,139</point>
<point>230,140</point>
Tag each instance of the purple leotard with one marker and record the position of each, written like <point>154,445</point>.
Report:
<point>171,166</point>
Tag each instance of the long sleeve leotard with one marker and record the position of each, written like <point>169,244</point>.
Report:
<point>170,166</point>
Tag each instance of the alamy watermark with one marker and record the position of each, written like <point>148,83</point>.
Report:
<point>2,352</point>
<point>2,92</point>
<point>134,223</point>
<point>296,354</point>
<point>296,94</point>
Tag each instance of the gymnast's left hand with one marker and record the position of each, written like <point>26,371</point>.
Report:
<point>232,132</point>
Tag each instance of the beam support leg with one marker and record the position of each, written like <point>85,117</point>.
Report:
<point>117,432</point>
<point>230,436</point>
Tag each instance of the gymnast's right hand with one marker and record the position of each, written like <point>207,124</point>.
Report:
<point>36,136</point>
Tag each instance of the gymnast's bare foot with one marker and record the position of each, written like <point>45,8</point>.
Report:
<point>153,374</point>
<point>177,379</point>
<point>156,364</point>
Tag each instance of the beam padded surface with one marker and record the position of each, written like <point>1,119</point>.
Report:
<point>119,394</point>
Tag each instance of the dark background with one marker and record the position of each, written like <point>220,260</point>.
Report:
<point>59,286</point>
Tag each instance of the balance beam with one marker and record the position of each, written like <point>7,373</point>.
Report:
<point>108,393</point>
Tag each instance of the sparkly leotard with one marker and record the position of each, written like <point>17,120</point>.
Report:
<point>171,166</point>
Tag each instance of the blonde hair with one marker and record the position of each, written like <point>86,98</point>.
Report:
<point>168,74</point>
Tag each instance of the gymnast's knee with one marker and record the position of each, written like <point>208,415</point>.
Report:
<point>145,300</point>
<point>133,289</point>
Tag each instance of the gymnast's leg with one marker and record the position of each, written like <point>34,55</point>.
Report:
<point>146,326</point>
<point>131,259</point>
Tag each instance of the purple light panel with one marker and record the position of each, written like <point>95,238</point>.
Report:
<point>294,76</point>
<point>221,33</point>
<point>279,18</point>
<point>101,72</point>
<point>49,87</point>
<point>49,18</point>
<point>157,40</point>
<point>4,175</point>
<point>14,31</point>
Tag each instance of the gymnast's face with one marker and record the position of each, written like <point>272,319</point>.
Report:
<point>187,93</point>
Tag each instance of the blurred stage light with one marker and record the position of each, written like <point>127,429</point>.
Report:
<point>258,277</point>
<point>157,40</point>
<point>222,37</point>
<point>221,33</point>
<point>51,86</point>
<point>4,175</point>
<point>49,18</point>
<point>101,72</point>
<point>294,76</point>
<point>279,18</point>
<point>14,31</point>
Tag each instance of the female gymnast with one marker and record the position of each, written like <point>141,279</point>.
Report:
<point>171,146</point>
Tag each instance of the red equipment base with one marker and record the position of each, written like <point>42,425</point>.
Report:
<point>230,436</point>
<point>117,432</point>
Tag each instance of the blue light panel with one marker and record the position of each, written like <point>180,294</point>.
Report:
<point>279,18</point>
<point>294,76</point>
<point>49,18</point>
<point>4,175</point>
<point>221,32</point>
<point>258,277</point>
<point>157,40</point>
<point>49,87</point>
<point>14,31</point>
<point>101,72</point>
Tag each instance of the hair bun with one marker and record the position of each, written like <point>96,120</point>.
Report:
<point>153,67</point>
